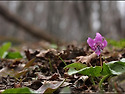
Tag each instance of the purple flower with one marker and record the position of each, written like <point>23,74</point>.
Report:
<point>97,44</point>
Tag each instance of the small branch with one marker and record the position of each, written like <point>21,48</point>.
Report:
<point>31,29</point>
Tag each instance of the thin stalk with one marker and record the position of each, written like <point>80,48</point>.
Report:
<point>101,63</point>
<point>92,79</point>
<point>50,65</point>
<point>63,61</point>
<point>102,80</point>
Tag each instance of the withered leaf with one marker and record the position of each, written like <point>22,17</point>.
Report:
<point>49,88</point>
<point>29,63</point>
<point>86,59</point>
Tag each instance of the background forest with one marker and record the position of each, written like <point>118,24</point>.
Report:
<point>67,20</point>
<point>57,47</point>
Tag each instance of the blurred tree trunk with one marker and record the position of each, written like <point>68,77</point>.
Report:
<point>54,16</point>
<point>83,12</point>
<point>29,28</point>
<point>110,19</point>
<point>69,20</point>
<point>123,27</point>
<point>19,10</point>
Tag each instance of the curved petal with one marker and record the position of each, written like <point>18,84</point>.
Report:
<point>98,37</point>
<point>104,43</point>
<point>98,52</point>
<point>90,42</point>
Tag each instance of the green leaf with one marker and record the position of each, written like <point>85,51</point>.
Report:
<point>4,48</point>
<point>13,55</point>
<point>116,67</point>
<point>72,71</point>
<point>119,44</point>
<point>106,70</point>
<point>90,71</point>
<point>78,66</point>
<point>18,91</point>
<point>111,68</point>
<point>122,60</point>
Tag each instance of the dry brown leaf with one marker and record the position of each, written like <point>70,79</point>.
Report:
<point>29,63</point>
<point>55,76</point>
<point>49,88</point>
<point>86,59</point>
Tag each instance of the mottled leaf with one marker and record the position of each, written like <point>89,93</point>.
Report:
<point>111,68</point>
<point>116,67</point>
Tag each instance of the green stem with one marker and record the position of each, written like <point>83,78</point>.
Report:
<point>50,65</point>
<point>63,61</point>
<point>102,80</point>
<point>101,63</point>
<point>92,79</point>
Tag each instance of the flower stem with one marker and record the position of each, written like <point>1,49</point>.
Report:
<point>101,63</point>
<point>102,80</point>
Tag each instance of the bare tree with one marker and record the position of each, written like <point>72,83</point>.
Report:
<point>31,29</point>
<point>110,19</point>
<point>83,12</point>
<point>70,20</point>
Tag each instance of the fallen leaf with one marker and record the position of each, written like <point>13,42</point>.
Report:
<point>81,81</point>
<point>54,76</point>
<point>6,71</point>
<point>86,59</point>
<point>35,84</point>
<point>20,73</point>
<point>18,91</point>
<point>28,55</point>
<point>29,63</point>
<point>49,88</point>
<point>65,90</point>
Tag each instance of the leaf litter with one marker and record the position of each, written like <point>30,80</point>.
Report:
<point>43,69</point>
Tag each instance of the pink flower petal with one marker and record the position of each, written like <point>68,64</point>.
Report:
<point>98,53</point>
<point>90,42</point>
<point>98,37</point>
<point>97,44</point>
<point>104,43</point>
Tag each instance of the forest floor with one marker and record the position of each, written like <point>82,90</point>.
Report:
<point>42,69</point>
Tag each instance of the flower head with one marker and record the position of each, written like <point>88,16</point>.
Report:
<point>97,44</point>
